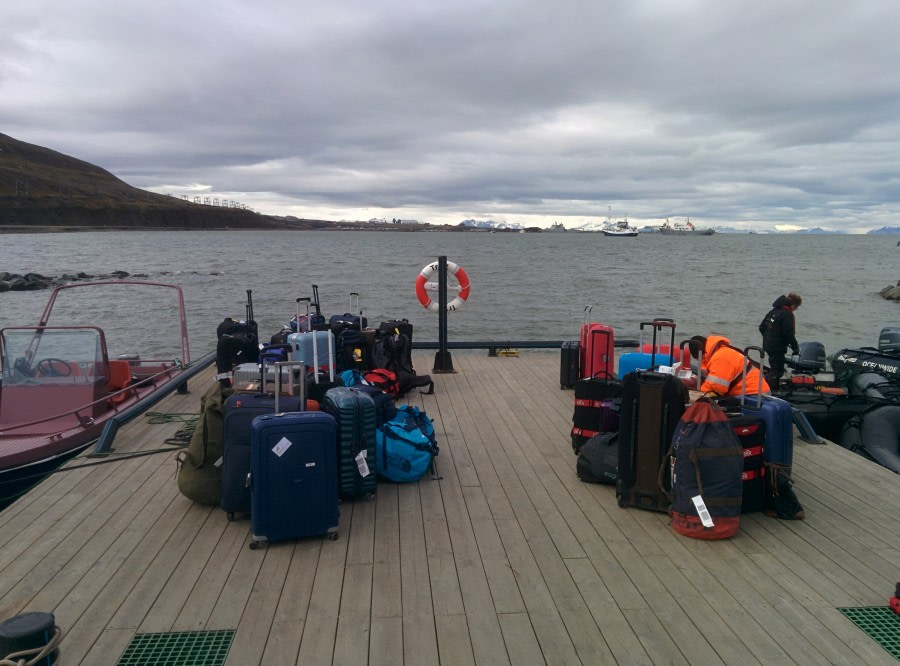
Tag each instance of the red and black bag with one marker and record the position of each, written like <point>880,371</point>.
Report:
<point>384,379</point>
<point>707,462</point>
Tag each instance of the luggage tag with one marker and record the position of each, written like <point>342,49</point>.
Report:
<point>361,464</point>
<point>705,518</point>
<point>283,445</point>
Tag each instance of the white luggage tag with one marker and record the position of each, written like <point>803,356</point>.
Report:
<point>361,464</point>
<point>705,518</point>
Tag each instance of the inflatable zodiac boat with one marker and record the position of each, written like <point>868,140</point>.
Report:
<point>859,408</point>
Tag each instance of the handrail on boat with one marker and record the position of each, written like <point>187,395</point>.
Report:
<point>104,442</point>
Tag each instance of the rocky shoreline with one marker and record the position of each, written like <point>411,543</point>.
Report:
<point>891,293</point>
<point>36,281</point>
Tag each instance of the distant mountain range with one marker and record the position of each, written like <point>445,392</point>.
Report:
<point>41,189</point>
<point>598,226</point>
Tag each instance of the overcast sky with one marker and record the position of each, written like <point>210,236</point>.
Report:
<point>750,114</point>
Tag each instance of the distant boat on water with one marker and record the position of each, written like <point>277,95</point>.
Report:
<point>620,228</point>
<point>557,227</point>
<point>685,229</point>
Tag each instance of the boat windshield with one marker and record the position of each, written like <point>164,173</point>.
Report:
<point>29,352</point>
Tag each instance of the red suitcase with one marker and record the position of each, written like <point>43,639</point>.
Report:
<point>597,349</point>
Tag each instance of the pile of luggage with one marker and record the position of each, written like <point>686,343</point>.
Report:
<point>704,463</point>
<point>308,420</point>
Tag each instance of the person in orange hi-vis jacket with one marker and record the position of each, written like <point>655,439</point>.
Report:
<point>722,367</point>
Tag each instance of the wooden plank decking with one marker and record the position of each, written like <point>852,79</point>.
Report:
<point>509,558</point>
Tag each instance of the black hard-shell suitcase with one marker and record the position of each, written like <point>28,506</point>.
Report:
<point>751,433</point>
<point>354,412</point>
<point>293,489</point>
<point>569,363</point>
<point>652,405</point>
<point>240,409</point>
<point>594,399</point>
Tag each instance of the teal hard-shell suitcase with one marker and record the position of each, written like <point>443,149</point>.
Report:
<point>354,412</point>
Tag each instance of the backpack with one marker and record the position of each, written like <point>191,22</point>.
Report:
<point>383,379</point>
<point>598,459</point>
<point>199,472</point>
<point>382,352</point>
<point>351,350</point>
<point>393,351</point>
<point>405,446</point>
<point>708,461</point>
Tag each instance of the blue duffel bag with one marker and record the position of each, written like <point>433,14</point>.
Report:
<point>405,446</point>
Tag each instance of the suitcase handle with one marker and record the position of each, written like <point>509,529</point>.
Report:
<point>762,356</point>
<point>587,313</point>
<point>658,324</point>
<point>315,289</point>
<point>684,346</point>
<point>279,365</point>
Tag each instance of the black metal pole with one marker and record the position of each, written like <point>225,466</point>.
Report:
<point>443,362</point>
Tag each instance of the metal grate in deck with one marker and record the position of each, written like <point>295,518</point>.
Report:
<point>197,648</point>
<point>880,623</point>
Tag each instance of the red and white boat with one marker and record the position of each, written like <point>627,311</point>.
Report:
<point>60,391</point>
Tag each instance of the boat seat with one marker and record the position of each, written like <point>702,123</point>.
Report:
<point>119,378</point>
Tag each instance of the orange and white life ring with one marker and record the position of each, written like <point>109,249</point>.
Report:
<point>423,286</point>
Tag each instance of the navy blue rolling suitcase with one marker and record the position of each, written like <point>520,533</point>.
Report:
<point>354,412</point>
<point>779,421</point>
<point>778,417</point>
<point>293,489</point>
<point>240,409</point>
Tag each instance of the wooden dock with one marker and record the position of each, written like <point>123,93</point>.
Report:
<point>509,558</point>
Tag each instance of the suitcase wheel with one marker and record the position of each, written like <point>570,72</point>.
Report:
<point>332,536</point>
<point>370,497</point>
<point>254,545</point>
<point>230,515</point>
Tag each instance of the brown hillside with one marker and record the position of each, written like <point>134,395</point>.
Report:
<point>41,188</point>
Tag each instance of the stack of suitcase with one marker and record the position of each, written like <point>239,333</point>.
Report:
<point>592,355</point>
<point>597,409</point>
<point>657,353</point>
<point>240,411</point>
<point>764,425</point>
<point>316,349</point>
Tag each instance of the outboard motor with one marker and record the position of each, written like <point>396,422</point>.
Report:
<point>889,340</point>
<point>811,358</point>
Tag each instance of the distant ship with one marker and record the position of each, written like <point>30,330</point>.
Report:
<point>620,228</point>
<point>685,229</point>
<point>557,226</point>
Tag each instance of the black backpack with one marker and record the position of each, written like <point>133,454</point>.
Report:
<point>352,351</point>
<point>393,351</point>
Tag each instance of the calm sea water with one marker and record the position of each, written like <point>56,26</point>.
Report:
<point>524,286</point>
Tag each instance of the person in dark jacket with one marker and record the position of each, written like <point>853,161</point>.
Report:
<point>777,329</point>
